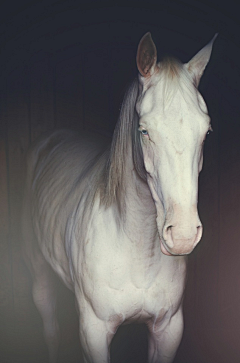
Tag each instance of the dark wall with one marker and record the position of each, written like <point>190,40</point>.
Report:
<point>67,64</point>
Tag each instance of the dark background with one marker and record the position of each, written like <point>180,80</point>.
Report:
<point>67,64</point>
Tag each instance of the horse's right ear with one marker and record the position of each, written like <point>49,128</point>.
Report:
<point>146,56</point>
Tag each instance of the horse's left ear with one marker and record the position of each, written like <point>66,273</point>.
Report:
<point>198,63</point>
<point>146,56</point>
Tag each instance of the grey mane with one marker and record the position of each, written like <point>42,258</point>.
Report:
<point>125,144</point>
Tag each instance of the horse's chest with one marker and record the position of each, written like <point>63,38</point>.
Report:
<point>119,299</point>
<point>128,282</point>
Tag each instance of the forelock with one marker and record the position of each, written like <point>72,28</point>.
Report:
<point>175,78</point>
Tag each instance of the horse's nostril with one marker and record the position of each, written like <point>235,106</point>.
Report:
<point>167,229</point>
<point>168,235</point>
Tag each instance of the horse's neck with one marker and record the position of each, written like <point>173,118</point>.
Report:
<point>139,216</point>
<point>139,224</point>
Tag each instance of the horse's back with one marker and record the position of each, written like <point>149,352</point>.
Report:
<point>59,166</point>
<point>67,144</point>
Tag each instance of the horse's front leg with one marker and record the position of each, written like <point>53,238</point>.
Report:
<point>164,340</point>
<point>95,338</point>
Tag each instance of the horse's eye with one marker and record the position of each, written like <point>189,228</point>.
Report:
<point>144,132</point>
<point>210,130</point>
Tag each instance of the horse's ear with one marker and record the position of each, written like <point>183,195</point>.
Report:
<point>146,56</point>
<point>198,63</point>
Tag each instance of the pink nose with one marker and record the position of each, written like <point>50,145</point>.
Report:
<point>179,240</point>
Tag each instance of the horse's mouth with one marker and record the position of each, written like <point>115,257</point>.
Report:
<point>164,250</point>
<point>167,253</point>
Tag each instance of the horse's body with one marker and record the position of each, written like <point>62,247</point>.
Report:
<point>106,220</point>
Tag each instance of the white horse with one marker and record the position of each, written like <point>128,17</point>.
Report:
<point>117,223</point>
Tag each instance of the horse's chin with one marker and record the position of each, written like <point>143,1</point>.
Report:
<point>164,250</point>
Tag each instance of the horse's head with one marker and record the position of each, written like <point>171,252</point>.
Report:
<point>173,123</point>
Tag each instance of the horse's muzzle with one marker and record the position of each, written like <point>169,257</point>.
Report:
<point>178,242</point>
